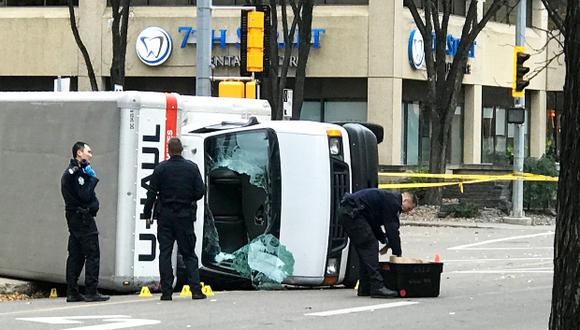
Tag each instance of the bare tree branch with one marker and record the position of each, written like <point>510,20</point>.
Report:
<point>119,26</point>
<point>537,70</point>
<point>444,82</point>
<point>554,15</point>
<point>82,48</point>
<point>416,17</point>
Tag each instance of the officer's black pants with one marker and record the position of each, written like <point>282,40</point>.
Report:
<point>83,250</point>
<point>365,245</point>
<point>180,230</point>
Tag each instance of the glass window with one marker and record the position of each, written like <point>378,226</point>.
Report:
<point>416,137</point>
<point>345,111</point>
<point>457,6</point>
<point>508,14</point>
<point>341,2</point>
<point>455,150</point>
<point>37,3</point>
<point>242,172</point>
<point>163,2</point>
<point>498,136</point>
<point>555,105</point>
<point>311,110</point>
<point>410,132</point>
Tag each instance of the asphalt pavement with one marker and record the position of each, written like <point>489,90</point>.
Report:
<point>494,277</point>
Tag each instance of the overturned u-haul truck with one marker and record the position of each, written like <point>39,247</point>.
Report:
<point>270,185</point>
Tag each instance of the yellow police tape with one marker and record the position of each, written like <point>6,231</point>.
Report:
<point>463,179</point>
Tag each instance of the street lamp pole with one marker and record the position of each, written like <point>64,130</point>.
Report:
<point>517,215</point>
<point>203,49</point>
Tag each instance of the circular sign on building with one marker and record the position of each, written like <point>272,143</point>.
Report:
<point>154,46</point>
<point>416,50</point>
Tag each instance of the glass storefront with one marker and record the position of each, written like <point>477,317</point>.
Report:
<point>330,111</point>
<point>497,136</point>
<point>220,2</point>
<point>416,136</point>
<point>32,83</point>
<point>36,3</point>
<point>553,124</point>
<point>331,100</point>
<point>416,131</point>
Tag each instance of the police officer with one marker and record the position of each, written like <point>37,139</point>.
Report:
<point>177,185</point>
<point>81,206</point>
<point>368,216</point>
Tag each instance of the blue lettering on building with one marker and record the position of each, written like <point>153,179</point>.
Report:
<point>219,38</point>
<point>453,43</point>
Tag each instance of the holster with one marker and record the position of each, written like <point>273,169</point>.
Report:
<point>351,206</point>
<point>84,214</point>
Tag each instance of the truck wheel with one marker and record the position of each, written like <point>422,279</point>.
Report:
<point>351,276</point>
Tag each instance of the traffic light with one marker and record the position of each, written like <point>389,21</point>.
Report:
<point>251,89</point>
<point>519,83</point>
<point>238,89</point>
<point>255,59</point>
<point>255,42</point>
<point>231,89</point>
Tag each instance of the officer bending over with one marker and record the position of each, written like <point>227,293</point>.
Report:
<point>363,215</point>
<point>81,206</point>
<point>177,185</point>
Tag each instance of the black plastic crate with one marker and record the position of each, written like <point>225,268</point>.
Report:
<point>413,280</point>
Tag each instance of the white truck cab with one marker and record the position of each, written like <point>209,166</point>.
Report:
<point>274,183</point>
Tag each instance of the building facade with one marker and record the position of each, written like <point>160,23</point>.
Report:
<point>361,67</point>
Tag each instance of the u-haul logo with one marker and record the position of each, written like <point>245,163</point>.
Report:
<point>156,127</point>
<point>151,152</point>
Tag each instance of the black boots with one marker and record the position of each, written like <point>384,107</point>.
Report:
<point>384,293</point>
<point>96,297</point>
<point>75,297</point>
<point>91,297</point>
<point>197,294</point>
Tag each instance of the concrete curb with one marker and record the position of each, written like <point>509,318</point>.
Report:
<point>485,225</point>
<point>445,224</point>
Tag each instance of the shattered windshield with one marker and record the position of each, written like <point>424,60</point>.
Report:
<point>242,218</point>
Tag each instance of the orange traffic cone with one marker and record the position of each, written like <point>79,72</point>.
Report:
<point>437,258</point>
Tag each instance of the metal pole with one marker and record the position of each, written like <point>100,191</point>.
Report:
<point>518,185</point>
<point>203,49</point>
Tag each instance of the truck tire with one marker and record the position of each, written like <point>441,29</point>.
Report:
<point>351,276</point>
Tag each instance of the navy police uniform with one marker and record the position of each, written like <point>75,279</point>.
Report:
<point>368,216</point>
<point>177,185</point>
<point>81,207</point>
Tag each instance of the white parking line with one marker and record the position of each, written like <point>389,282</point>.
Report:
<point>505,271</point>
<point>76,306</point>
<point>491,259</point>
<point>362,309</point>
<point>469,246</point>
<point>508,248</point>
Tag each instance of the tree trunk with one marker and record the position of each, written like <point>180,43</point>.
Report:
<point>438,156</point>
<point>119,33</point>
<point>288,41</point>
<point>443,84</point>
<point>271,84</point>
<point>82,48</point>
<point>565,312</point>
<point>303,52</point>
